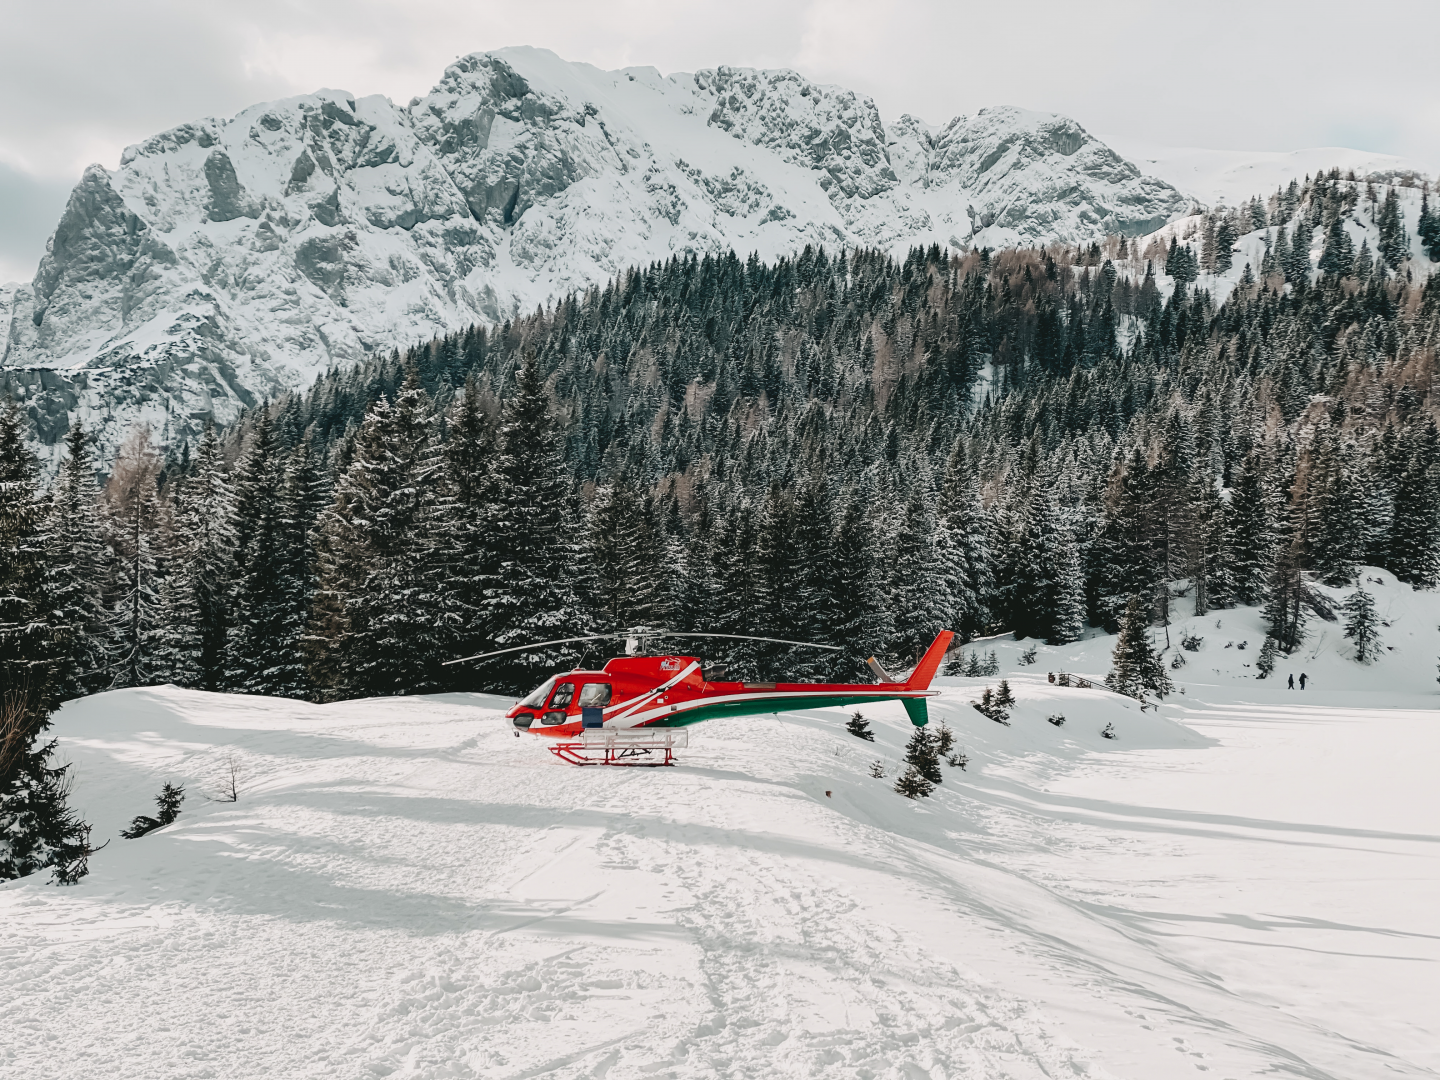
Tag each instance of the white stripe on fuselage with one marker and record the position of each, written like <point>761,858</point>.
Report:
<point>638,719</point>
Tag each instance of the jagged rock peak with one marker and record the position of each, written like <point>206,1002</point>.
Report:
<point>227,260</point>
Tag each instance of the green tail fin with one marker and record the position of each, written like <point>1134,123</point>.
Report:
<point>915,709</point>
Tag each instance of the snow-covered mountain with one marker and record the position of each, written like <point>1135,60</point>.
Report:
<point>227,260</point>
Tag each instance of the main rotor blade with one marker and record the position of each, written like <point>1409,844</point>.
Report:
<point>533,645</point>
<point>747,637</point>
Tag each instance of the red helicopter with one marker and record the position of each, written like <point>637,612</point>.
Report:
<point>634,709</point>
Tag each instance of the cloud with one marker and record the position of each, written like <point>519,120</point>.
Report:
<point>81,80</point>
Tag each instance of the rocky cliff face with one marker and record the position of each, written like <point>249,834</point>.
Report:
<point>228,260</point>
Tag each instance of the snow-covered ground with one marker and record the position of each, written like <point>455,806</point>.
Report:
<point>1244,883</point>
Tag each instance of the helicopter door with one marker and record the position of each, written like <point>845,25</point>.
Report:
<point>559,703</point>
<point>593,699</point>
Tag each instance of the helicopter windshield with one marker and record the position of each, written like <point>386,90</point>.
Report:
<point>539,694</point>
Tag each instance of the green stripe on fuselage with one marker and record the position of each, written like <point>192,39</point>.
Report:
<point>760,706</point>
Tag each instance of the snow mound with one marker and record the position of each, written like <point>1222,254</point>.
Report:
<point>1242,883</point>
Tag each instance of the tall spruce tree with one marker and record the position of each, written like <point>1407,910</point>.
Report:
<point>78,569</point>
<point>205,553</point>
<point>134,523</point>
<point>37,828</point>
<point>532,596</point>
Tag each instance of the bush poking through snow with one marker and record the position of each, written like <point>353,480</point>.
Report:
<point>958,760</point>
<point>1177,661</point>
<point>913,785</point>
<point>1028,656</point>
<point>1191,643</point>
<point>877,769</point>
<point>858,726</point>
<point>1360,625</point>
<point>167,810</point>
<point>1109,732</point>
<point>1058,719</point>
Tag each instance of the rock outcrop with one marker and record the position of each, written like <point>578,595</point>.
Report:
<point>228,260</point>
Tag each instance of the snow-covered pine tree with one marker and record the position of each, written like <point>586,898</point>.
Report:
<point>1124,559</point>
<point>1285,604</point>
<point>1137,667</point>
<point>922,754</point>
<point>922,603</point>
<point>1265,661</point>
<point>380,602</point>
<point>964,545</point>
<point>1249,540</point>
<point>134,524</point>
<point>1362,625</point>
<point>177,642</point>
<point>1337,530</point>
<point>622,569</point>
<point>816,613</point>
<point>205,528</point>
<point>858,726</point>
<point>863,616</point>
<point>78,569</point>
<point>1394,245</point>
<point>532,597</point>
<point>263,647</point>
<point>37,828</point>
<point>1414,549</point>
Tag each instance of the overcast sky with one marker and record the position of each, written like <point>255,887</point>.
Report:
<point>81,79</point>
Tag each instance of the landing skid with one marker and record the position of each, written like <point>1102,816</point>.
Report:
<point>638,746</point>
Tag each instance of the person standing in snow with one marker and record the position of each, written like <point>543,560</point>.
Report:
<point>1292,681</point>
<point>1303,677</point>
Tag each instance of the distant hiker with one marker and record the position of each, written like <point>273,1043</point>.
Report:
<point>1292,682</point>
<point>1303,677</point>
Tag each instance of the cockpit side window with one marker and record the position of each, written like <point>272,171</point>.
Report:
<point>564,694</point>
<point>595,694</point>
<point>539,694</point>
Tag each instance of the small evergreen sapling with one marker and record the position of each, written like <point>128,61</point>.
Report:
<point>989,708</point>
<point>913,785</point>
<point>1265,662</point>
<point>858,726</point>
<point>167,805</point>
<point>1004,698</point>
<point>1360,625</point>
<point>877,769</point>
<point>1137,666</point>
<point>958,760</point>
<point>922,754</point>
<point>944,741</point>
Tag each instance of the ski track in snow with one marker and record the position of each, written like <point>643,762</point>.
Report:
<point>1243,885</point>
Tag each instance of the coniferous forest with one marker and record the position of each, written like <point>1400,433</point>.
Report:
<point>838,447</point>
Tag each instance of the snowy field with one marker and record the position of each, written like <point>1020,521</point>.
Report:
<point>1246,882</point>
